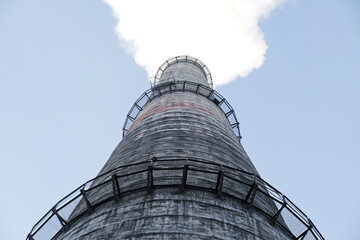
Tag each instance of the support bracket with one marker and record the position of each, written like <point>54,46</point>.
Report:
<point>249,199</point>
<point>150,181</point>
<point>88,204</point>
<point>116,187</point>
<point>184,176</point>
<point>219,183</point>
<point>61,219</point>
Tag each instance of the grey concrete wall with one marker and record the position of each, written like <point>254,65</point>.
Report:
<point>184,71</point>
<point>181,125</point>
<point>170,214</point>
<point>176,126</point>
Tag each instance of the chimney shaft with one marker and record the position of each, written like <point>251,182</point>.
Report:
<point>180,172</point>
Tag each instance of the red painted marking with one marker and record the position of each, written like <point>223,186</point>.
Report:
<point>170,107</point>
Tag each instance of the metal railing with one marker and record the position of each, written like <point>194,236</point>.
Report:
<point>183,58</point>
<point>176,173</point>
<point>182,86</point>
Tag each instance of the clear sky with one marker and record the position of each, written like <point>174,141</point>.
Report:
<point>66,86</point>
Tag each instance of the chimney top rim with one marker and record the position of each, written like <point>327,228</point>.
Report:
<point>184,58</point>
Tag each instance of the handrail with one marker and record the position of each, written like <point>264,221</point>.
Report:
<point>183,58</point>
<point>182,86</point>
<point>235,183</point>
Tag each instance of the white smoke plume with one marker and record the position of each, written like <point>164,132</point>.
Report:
<point>224,34</point>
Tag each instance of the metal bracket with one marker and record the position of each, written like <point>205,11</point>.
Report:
<point>88,204</point>
<point>131,118</point>
<point>30,237</point>
<point>197,89</point>
<point>184,176</point>
<point>138,107</point>
<point>116,187</point>
<point>61,220</point>
<point>277,214</point>
<point>249,199</point>
<point>211,92</point>
<point>170,86</point>
<point>150,182</point>
<point>229,113</point>
<point>219,183</point>
<point>303,234</point>
<point>221,102</point>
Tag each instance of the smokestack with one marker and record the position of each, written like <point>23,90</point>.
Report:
<point>179,172</point>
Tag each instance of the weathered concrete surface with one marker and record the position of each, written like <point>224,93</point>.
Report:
<point>181,125</point>
<point>176,126</point>
<point>171,214</point>
<point>184,71</point>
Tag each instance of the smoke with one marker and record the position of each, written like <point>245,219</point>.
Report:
<point>224,34</point>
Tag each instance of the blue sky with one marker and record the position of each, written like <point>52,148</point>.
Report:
<point>66,87</point>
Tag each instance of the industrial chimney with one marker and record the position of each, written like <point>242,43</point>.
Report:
<point>180,172</point>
